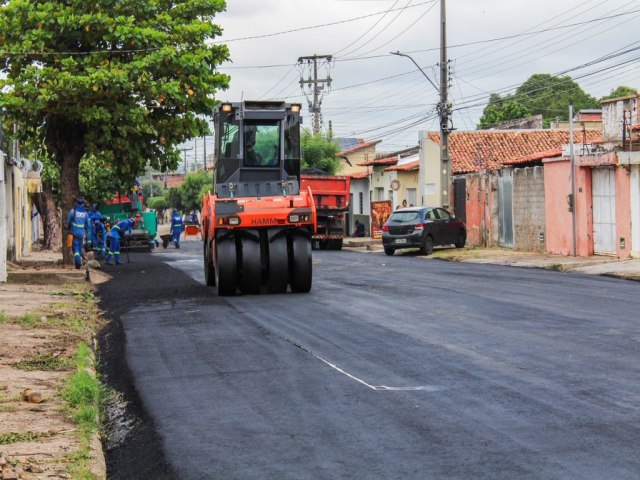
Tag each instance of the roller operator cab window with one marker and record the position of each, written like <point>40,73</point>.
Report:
<point>229,148</point>
<point>261,144</point>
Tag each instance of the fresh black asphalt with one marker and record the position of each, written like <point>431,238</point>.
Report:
<point>392,367</point>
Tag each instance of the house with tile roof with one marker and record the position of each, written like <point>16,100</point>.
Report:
<point>605,207</point>
<point>354,154</point>
<point>498,186</point>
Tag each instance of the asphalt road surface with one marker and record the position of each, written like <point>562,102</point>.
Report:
<point>391,368</point>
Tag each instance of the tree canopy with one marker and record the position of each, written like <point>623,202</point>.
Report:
<point>621,91</point>
<point>122,81</point>
<point>318,151</point>
<point>542,94</point>
<point>188,196</point>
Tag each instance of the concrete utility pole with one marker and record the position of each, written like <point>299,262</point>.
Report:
<point>315,85</point>
<point>444,109</point>
<point>185,150</point>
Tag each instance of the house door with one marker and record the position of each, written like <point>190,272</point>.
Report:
<point>505,211</point>
<point>460,198</point>
<point>604,210</point>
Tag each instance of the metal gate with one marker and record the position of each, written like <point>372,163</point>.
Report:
<point>505,210</point>
<point>603,191</point>
<point>460,198</point>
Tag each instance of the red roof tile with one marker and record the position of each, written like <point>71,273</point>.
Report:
<point>362,145</point>
<point>405,167</point>
<point>491,149</point>
<point>535,156</point>
<point>380,161</point>
<point>635,127</point>
<point>590,117</point>
<point>358,176</point>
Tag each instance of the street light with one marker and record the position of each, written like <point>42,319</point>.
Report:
<point>416,64</point>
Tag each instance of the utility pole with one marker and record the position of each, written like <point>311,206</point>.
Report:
<point>204,148</point>
<point>315,85</point>
<point>3,222</point>
<point>444,110</point>
<point>185,150</point>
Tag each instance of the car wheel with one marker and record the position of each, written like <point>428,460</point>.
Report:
<point>427,246</point>
<point>389,251</point>
<point>462,239</point>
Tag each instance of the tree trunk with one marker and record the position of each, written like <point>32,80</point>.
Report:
<point>70,189</point>
<point>50,213</point>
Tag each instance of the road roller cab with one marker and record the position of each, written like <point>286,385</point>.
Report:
<point>257,224</point>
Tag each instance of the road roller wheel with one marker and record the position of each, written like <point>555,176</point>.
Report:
<point>250,266</point>
<point>301,268</point>
<point>226,268</point>
<point>209,268</point>
<point>278,276</point>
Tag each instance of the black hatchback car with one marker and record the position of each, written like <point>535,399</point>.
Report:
<point>423,228</point>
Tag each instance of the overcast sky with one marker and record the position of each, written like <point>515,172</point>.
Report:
<point>375,95</point>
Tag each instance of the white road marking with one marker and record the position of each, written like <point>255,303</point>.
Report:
<point>425,388</point>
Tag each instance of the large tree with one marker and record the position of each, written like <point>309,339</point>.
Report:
<point>621,91</point>
<point>124,81</point>
<point>542,94</point>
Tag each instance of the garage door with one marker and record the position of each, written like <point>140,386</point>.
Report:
<point>604,210</point>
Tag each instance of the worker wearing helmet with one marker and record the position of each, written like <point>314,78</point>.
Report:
<point>78,225</point>
<point>99,238</point>
<point>117,232</point>
<point>177,226</point>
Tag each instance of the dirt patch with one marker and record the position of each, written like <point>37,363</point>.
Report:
<point>40,328</point>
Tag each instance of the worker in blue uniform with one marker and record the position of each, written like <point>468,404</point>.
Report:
<point>100,238</point>
<point>94,214</point>
<point>78,225</point>
<point>177,226</point>
<point>117,232</point>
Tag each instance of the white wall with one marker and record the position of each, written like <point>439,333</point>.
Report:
<point>635,211</point>
<point>3,219</point>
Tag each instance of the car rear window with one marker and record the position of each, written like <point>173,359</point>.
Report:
<point>404,217</point>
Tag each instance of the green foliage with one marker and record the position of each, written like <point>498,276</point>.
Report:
<point>15,437</point>
<point>542,94</point>
<point>174,199</point>
<point>621,91</point>
<point>123,81</point>
<point>158,203</point>
<point>319,152</point>
<point>84,392</point>
<point>192,189</point>
<point>152,187</point>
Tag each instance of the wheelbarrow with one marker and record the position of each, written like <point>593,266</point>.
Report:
<point>167,238</point>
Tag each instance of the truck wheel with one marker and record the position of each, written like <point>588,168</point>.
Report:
<point>209,268</point>
<point>339,244</point>
<point>226,268</point>
<point>301,267</point>
<point>278,276</point>
<point>251,268</point>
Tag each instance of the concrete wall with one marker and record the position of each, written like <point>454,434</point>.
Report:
<point>528,209</point>
<point>362,155</point>
<point>381,179</point>
<point>3,219</point>
<point>408,180</point>
<point>359,186</point>
<point>635,210</point>
<point>482,209</point>
<point>612,117</point>
<point>429,173</point>
<point>558,219</point>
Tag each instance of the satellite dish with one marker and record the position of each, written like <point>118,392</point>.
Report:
<point>26,165</point>
<point>37,166</point>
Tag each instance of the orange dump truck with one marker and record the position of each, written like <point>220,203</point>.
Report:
<point>258,224</point>
<point>331,198</point>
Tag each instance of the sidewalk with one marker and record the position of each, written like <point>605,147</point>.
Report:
<point>594,265</point>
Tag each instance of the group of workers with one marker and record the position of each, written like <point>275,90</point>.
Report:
<point>90,225</point>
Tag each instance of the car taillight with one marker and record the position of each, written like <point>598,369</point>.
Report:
<point>385,228</point>
<point>419,226</point>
